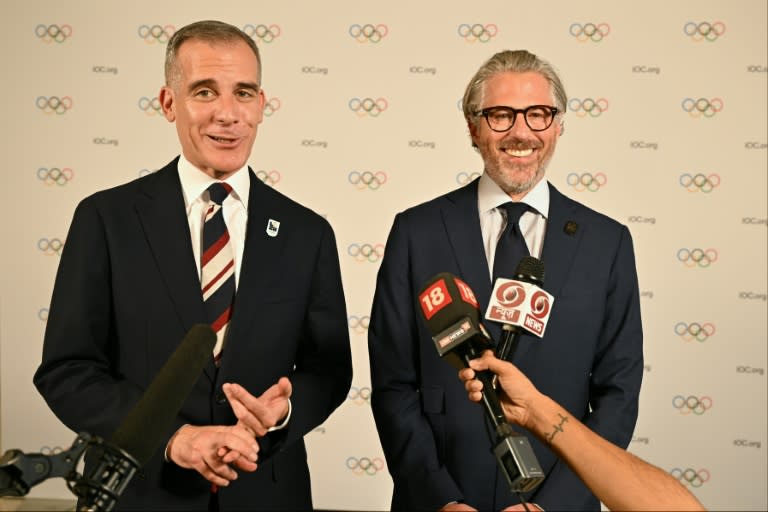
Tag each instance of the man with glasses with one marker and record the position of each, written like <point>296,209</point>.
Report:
<point>437,443</point>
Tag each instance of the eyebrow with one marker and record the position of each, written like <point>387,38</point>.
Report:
<point>211,83</point>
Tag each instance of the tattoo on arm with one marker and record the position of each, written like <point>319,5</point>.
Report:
<point>558,428</point>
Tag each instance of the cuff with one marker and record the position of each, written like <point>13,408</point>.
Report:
<point>285,421</point>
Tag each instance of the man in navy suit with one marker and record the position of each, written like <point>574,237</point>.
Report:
<point>128,288</point>
<point>437,443</point>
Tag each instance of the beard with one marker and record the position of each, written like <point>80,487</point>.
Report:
<point>516,180</point>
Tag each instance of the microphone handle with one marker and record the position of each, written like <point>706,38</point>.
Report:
<point>490,399</point>
<point>509,340</point>
<point>507,347</point>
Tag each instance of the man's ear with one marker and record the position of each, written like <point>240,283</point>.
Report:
<point>168,103</point>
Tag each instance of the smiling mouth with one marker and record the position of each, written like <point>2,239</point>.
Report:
<point>518,152</point>
<point>223,140</point>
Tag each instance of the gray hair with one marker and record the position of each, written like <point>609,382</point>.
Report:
<point>517,61</point>
<point>210,31</point>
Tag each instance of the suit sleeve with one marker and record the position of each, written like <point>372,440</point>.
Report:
<point>76,376</point>
<point>323,372</point>
<point>393,340</point>
<point>616,376</point>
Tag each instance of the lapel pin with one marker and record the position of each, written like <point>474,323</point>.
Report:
<point>273,226</point>
<point>570,228</point>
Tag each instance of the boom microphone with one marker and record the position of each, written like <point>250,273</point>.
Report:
<point>142,431</point>
<point>452,315</point>
<point>133,443</point>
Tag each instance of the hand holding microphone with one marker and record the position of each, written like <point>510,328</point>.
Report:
<point>618,478</point>
<point>451,313</point>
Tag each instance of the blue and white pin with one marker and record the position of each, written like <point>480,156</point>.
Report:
<point>273,226</point>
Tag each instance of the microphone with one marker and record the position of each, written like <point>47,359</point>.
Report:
<point>520,304</point>
<point>142,431</point>
<point>452,315</point>
<point>133,442</point>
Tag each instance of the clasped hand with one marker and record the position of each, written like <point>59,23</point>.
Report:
<point>216,451</point>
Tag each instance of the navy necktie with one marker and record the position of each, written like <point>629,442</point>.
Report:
<point>511,247</point>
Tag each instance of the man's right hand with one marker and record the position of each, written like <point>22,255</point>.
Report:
<point>198,448</point>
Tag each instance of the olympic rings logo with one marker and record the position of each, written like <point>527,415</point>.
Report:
<point>53,104</point>
<point>364,465</point>
<point>701,257</point>
<point>690,476</point>
<point>692,404</point>
<point>269,177</point>
<point>359,324</point>
<point>359,396</point>
<point>704,30</point>
<point>699,182</point>
<point>588,106</point>
<point>465,177</point>
<point>50,33</point>
<point>42,314</point>
<point>587,181</point>
<point>50,247</point>
<point>151,106</point>
<point>478,32</point>
<point>55,176</point>
<point>368,33</point>
<point>695,331</point>
<point>702,107</point>
<point>589,31</point>
<point>368,106</point>
<point>156,33</point>
<point>265,34</point>
<point>367,179</point>
<point>271,106</point>
<point>366,252</point>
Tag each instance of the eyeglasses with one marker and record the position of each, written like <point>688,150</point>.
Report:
<point>502,119</point>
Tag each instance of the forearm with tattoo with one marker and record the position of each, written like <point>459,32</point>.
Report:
<point>557,428</point>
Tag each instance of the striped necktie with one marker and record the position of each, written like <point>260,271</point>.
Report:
<point>511,247</point>
<point>218,267</point>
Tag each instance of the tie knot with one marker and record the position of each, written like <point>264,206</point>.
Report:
<point>219,191</point>
<point>514,211</point>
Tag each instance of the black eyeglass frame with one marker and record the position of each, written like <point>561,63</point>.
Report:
<point>484,113</point>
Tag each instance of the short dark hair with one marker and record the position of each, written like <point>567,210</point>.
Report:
<point>211,31</point>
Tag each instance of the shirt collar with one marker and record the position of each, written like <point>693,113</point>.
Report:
<point>490,196</point>
<point>194,182</point>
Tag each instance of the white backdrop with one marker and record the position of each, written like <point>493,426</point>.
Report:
<point>666,132</point>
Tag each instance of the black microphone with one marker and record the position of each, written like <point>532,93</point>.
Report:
<point>452,315</point>
<point>529,270</point>
<point>142,431</point>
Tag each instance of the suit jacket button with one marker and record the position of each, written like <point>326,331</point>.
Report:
<point>221,398</point>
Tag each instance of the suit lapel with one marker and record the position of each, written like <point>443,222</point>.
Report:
<point>560,244</point>
<point>462,224</point>
<point>261,257</point>
<point>162,214</point>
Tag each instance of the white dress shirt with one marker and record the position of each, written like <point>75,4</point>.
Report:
<point>533,224</point>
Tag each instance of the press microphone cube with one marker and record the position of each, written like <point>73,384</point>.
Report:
<point>518,463</point>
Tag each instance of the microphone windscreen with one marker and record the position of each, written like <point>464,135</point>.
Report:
<point>148,423</point>
<point>530,270</point>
